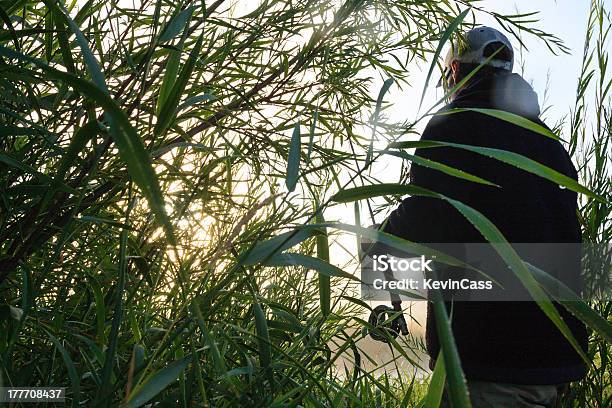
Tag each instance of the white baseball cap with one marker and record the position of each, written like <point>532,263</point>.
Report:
<point>472,51</point>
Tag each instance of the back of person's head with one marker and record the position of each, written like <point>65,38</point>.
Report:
<point>482,48</point>
<point>499,52</point>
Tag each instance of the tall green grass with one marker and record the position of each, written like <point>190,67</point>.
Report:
<point>589,137</point>
<point>165,172</point>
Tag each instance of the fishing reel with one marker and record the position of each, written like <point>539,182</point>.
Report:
<point>387,321</point>
<point>384,321</point>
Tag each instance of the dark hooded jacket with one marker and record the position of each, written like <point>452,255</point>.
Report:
<point>510,342</point>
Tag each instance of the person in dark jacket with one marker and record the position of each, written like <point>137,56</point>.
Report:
<point>511,353</point>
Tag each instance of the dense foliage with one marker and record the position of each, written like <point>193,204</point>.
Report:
<point>156,157</point>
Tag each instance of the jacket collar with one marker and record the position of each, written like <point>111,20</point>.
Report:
<point>508,92</point>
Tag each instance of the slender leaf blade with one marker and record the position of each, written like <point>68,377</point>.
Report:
<point>435,390</point>
<point>170,105</point>
<point>263,336</point>
<point>507,117</point>
<point>457,384</point>
<point>309,262</point>
<point>293,161</point>
<point>71,368</point>
<point>445,36</point>
<point>323,254</point>
<point>176,24</point>
<point>157,382</point>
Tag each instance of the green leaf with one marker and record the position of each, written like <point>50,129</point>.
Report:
<point>263,336</point>
<point>313,127</point>
<point>531,166</point>
<point>374,235</point>
<point>12,162</point>
<point>457,385</point>
<point>309,262</point>
<point>170,73</point>
<point>70,367</point>
<point>436,384</point>
<point>218,362</point>
<point>9,24</point>
<point>511,258</point>
<point>381,94</point>
<point>323,254</point>
<point>176,24</point>
<point>49,36</point>
<point>96,289</point>
<point>507,117</point>
<point>169,106</point>
<point>379,100</point>
<point>157,382</point>
<point>445,36</point>
<point>267,249</point>
<point>363,192</point>
<point>196,99</point>
<point>441,167</point>
<point>275,245</point>
<point>293,161</point>
<point>101,220</point>
<point>413,144</point>
<point>105,389</point>
<point>90,60</point>
<point>573,303</point>
<point>64,44</point>
<point>514,159</point>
